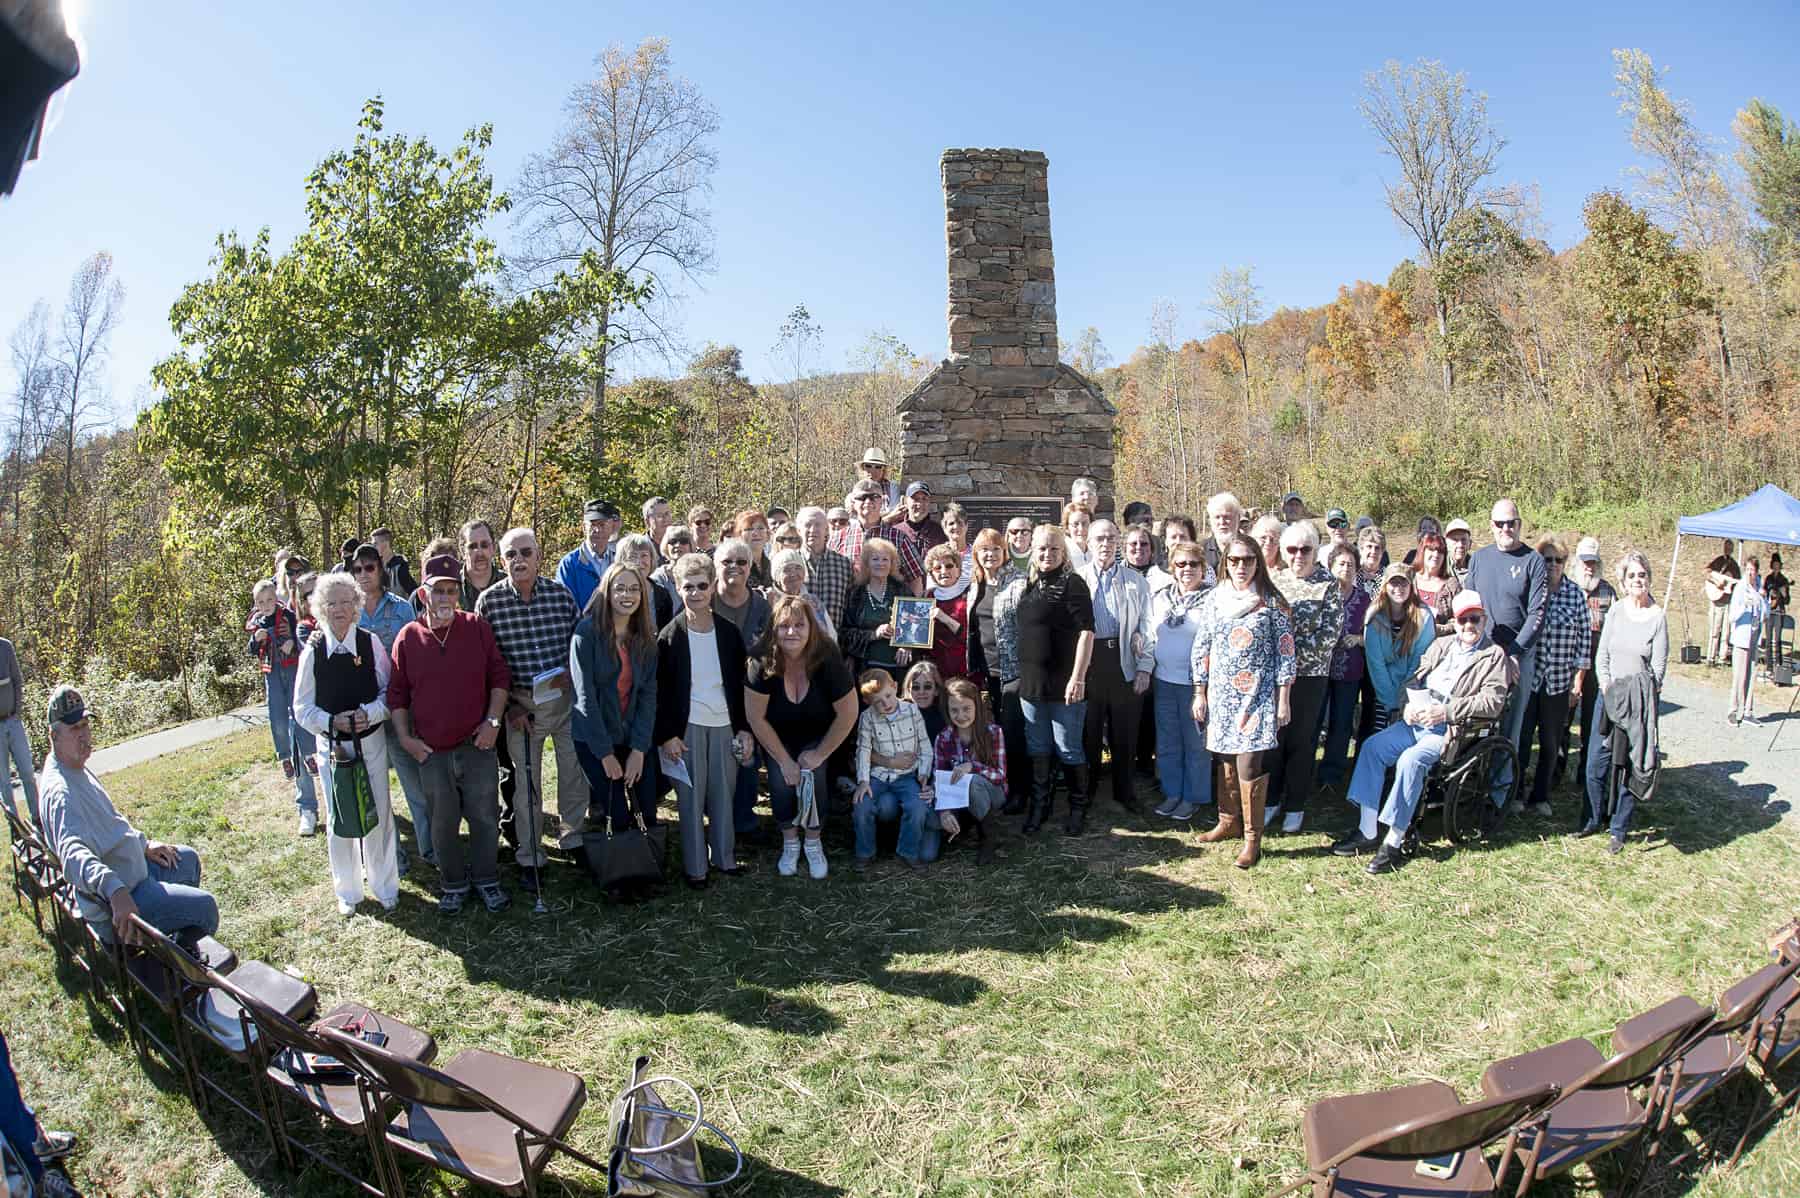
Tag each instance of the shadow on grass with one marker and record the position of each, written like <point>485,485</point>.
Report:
<point>758,949</point>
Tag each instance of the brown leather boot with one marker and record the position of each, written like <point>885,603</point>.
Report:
<point>1230,825</point>
<point>1253,796</point>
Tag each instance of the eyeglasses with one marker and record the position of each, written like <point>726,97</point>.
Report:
<point>1240,560</point>
<point>739,562</point>
<point>1554,561</point>
<point>694,588</point>
<point>839,521</point>
<point>519,551</point>
<point>1513,523</point>
<point>1297,550</point>
<point>1637,574</point>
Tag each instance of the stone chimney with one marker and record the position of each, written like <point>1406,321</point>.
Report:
<point>1002,270</point>
<point>1002,416</point>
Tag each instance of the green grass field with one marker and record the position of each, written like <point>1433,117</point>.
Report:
<point>1120,1014</point>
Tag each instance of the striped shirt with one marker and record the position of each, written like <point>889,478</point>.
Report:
<point>533,637</point>
<point>1563,645</point>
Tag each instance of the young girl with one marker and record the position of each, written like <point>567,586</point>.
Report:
<point>972,744</point>
<point>1397,631</point>
<point>924,685</point>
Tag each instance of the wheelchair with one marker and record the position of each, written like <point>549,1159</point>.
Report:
<point>1458,790</point>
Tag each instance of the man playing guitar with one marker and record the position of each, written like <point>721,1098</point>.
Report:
<point>1722,574</point>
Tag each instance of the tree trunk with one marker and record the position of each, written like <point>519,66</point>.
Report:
<point>594,470</point>
<point>1443,322</point>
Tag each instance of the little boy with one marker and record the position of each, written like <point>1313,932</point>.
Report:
<point>275,643</point>
<point>893,772</point>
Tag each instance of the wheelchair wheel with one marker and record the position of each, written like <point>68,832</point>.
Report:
<point>1469,811</point>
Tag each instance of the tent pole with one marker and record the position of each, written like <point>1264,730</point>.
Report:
<point>1669,588</point>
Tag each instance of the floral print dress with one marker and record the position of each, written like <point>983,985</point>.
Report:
<point>1242,660</point>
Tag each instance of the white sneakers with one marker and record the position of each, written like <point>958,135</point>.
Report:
<point>309,822</point>
<point>1292,823</point>
<point>790,858</point>
<point>346,909</point>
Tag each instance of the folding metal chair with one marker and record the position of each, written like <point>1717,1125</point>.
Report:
<point>493,1119</point>
<point>291,1054</point>
<point>1597,1109</point>
<point>1416,1140</point>
<point>206,1009</point>
<point>30,871</point>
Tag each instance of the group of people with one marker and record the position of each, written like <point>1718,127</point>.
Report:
<point>1210,661</point>
<point>1745,608</point>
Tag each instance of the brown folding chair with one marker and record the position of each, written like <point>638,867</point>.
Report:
<point>1374,1145</point>
<point>493,1119</point>
<point>208,1011</point>
<point>1715,1054</point>
<point>1597,1110</point>
<point>31,876</point>
<point>331,1096</point>
<point>1772,1038</point>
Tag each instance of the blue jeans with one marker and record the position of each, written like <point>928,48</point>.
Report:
<point>891,800</point>
<point>15,754</point>
<point>784,800</point>
<point>1059,725</point>
<point>1512,722</point>
<point>171,901</point>
<point>1340,721</point>
<point>418,802</point>
<point>1599,780</point>
<point>293,744</point>
<point>17,1122</point>
<point>1412,752</point>
<point>1183,765</point>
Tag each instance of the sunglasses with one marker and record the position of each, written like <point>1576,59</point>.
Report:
<point>1240,560</point>
<point>1473,617</point>
<point>1638,574</point>
<point>1506,524</point>
<point>1186,563</point>
<point>1554,561</point>
<point>518,552</point>
<point>739,562</point>
<point>694,588</point>
<point>367,567</point>
<point>1297,550</point>
<point>706,523</point>
<point>787,540</point>
<point>1019,532</point>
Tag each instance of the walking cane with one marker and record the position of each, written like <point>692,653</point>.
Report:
<point>533,814</point>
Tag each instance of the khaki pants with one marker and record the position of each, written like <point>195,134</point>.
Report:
<point>549,721</point>
<point>1718,632</point>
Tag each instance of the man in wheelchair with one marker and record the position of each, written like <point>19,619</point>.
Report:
<point>1461,682</point>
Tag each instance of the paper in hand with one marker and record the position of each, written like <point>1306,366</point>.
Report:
<point>674,769</point>
<point>951,795</point>
<point>545,687</point>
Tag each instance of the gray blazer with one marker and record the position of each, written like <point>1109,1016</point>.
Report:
<point>1130,598</point>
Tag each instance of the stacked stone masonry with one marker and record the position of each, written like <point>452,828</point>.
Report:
<point>1002,415</point>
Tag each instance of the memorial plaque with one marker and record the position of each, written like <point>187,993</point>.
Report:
<point>993,511</point>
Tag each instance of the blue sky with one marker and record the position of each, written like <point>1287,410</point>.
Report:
<point>1180,140</point>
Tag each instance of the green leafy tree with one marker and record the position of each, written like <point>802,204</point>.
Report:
<point>1769,152</point>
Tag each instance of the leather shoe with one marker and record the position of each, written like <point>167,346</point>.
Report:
<point>1354,844</point>
<point>1588,829</point>
<point>1616,845</point>
<point>1386,860</point>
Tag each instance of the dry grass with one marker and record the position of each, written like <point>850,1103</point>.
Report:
<point>1123,1014</point>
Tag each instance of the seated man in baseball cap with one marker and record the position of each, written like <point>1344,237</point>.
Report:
<point>115,870</point>
<point>1462,678</point>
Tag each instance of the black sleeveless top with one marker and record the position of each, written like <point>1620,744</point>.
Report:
<point>342,681</point>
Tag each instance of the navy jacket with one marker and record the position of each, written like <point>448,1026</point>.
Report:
<point>599,721</point>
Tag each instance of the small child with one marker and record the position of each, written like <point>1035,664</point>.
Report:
<point>893,770</point>
<point>924,685</point>
<point>972,744</point>
<point>275,643</point>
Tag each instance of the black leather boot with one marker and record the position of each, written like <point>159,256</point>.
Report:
<point>986,842</point>
<point>1043,783</point>
<point>1078,786</point>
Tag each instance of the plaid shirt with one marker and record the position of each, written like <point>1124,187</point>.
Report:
<point>951,752</point>
<point>533,637</point>
<point>891,736</point>
<point>914,544</point>
<point>829,582</point>
<point>847,541</point>
<point>1563,644</point>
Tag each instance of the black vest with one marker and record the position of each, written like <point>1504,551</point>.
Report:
<point>339,683</point>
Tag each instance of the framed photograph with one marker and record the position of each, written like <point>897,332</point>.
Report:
<point>913,625</point>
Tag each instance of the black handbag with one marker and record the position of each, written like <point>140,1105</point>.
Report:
<point>634,854</point>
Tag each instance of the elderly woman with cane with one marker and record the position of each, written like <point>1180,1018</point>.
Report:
<point>340,696</point>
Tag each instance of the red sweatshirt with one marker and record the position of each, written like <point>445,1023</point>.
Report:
<point>445,688</point>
